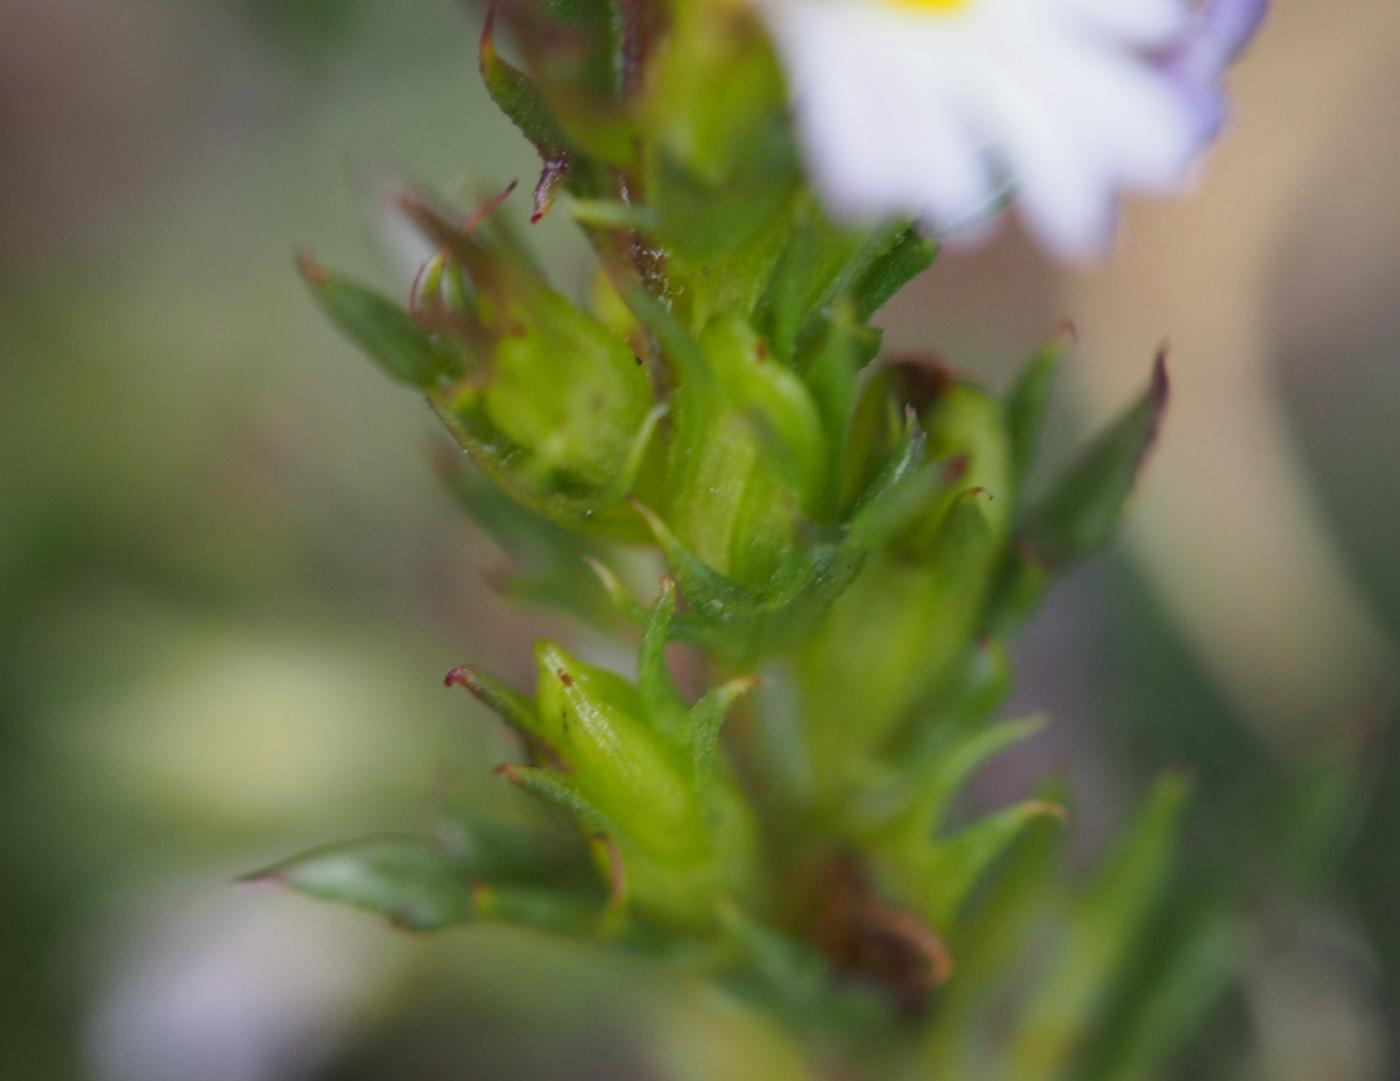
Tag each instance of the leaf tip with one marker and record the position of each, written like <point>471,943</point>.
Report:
<point>309,268</point>
<point>1160,388</point>
<point>462,676</point>
<point>1047,809</point>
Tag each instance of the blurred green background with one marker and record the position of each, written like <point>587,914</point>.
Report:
<point>230,581</point>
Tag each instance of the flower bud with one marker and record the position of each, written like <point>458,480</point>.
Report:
<point>639,773</point>
<point>747,486</point>
<point>555,407</point>
<point>746,458</point>
<point>965,565</point>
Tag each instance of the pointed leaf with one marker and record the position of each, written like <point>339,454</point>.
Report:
<point>987,943</point>
<point>555,788</point>
<point>707,718</point>
<point>1082,511</point>
<point>1193,955</point>
<point>945,773</point>
<point>407,880</point>
<point>839,351</point>
<point>1027,400</point>
<point>498,696</point>
<point>516,95</point>
<point>959,862</point>
<point>1105,925</point>
<point>660,699</point>
<point>909,255</point>
<point>381,328</point>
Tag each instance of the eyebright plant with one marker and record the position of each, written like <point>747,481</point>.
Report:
<point>843,544</point>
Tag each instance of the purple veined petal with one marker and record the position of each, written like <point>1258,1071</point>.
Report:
<point>1144,24</point>
<point>1221,31</point>
<point>1207,104</point>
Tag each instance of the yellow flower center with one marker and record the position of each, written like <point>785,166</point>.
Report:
<point>937,7</point>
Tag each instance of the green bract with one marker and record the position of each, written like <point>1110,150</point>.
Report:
<point>850,532</point>
<point>637,770</point>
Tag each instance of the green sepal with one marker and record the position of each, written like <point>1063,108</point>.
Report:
<point>744,624</point>
<point>909,255</point>
<point>558,790</point>
<point>838,351</point>
<point>992,933</point>
<point>416,885</point>
<point>560,500</point>
<point>904,488</point>
<point>1028,399</point>
<point>660,698</point>
<point>964,426</point>
<point>720,161</point>
<point>1083,508</point>
<point>677,829</point>
<point>562,413</point>
<point>795,979</point>
<point>930,609</point>
<point>904,814</point>
<point>516,95</point>
<point>702,219</point>
<point>545,560</point>
<point>746,455</point>
<point>401,348</point>
<point>498,696</point>
<point>1023,581</point>
<point>822,264</point>
<point>957,864</point>
<point>1188,955</point>
<point>707,717</point>
<point>980,685</point>
<point>924,787</point>
<point>1105,926</point>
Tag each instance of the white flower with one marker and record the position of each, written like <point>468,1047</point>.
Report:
<point>940,108</point>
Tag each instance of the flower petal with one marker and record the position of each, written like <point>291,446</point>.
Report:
<point>1143,24</point>
<point>876,124</point>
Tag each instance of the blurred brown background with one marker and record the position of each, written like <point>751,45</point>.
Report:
<point>229,580</point>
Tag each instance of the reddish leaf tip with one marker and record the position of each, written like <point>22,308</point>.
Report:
<point>617,871</point>
<point>309,268</point>
<point>1161,377</point>
<point>261,878</point>
<point>486,42</point>
<point>463,676</point>
<point>1056,811</point>
<point>1031,556</point>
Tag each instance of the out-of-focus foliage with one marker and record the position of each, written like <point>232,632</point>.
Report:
<point>858,527</point>
<point>231,588</point>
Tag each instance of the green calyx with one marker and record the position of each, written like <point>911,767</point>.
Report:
<point>866,533</point>
<point>640,773</point>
